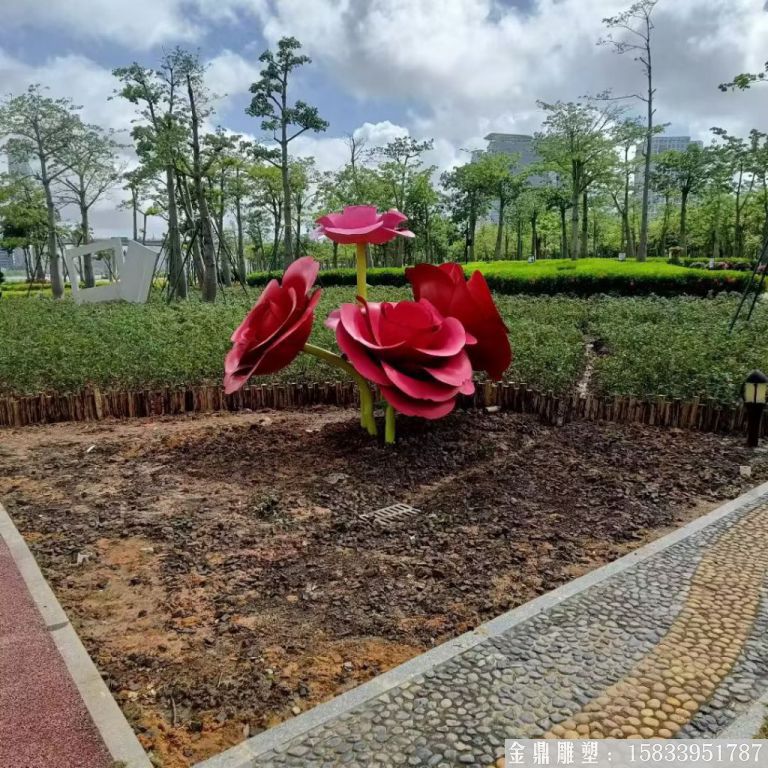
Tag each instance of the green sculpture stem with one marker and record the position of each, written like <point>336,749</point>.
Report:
<point>389,425</point>
<point>361,261</point>
<point>367,420</point>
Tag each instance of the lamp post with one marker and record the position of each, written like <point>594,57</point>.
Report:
<point>755,393</point>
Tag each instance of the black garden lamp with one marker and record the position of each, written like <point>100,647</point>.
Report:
<point>755,393</point>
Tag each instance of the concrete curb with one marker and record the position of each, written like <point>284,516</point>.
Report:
<point>748,724</point>
<point>243,755</point>
<point>117,734</point>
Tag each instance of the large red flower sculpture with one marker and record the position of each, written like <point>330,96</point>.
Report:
<point>415,355</point>
<point>277,328</point>
<point>471,303</point>
<point>360,224</point>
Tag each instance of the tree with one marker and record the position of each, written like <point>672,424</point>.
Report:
<point>24,221</point>
<point>303,179</point>
<point>628,135</point>
<point>400,168</point>
<point>499,183</point>
<point>687,172</point>
<point>467,201</point>
<point>746,80</point>
<point>741,159</point>
<point>159,136</point>
<point>39,127</point>
<point>92,171</point>
<point>191,74</point>
<point>267,181</point>
<point>636,28</point>
<point>578,145</point>
<point>284,121</point>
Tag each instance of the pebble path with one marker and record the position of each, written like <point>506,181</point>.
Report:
<point>674,646</point>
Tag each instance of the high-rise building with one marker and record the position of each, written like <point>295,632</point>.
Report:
<point>659,144</point>
<point>18,162</point>
<point>513,144</point>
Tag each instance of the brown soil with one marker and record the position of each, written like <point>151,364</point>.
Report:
<point>218,572</point>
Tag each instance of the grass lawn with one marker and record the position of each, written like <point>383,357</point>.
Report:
<point>677,347</point>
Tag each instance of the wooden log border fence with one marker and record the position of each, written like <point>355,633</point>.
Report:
<point>94,405</point>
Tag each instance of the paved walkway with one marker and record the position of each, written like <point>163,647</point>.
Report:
<point>669,642</point>
<point>43,721</point>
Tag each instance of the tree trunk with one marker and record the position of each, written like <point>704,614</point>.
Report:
<point>276,214</point>
<point>144,229</point>
<point>135,210</point>
<point>519,228</point>
<point>534,236</point>
<point>642,248</point>
<point>223,252</point>
<point>683,224</point>
<point>664,228</point>
<point>575,213</point>
<point>178,286</point>
<point>57,280</point>
<point>240,243</point>
<point>738,233</point>
<point>38,272</point>
<point>88,277</point>
<point>584,249</point>
<point>288,218</point>
<point>499,228</point>
<point>472,228</point>
<point>335,257</point>
<point>563,234</point>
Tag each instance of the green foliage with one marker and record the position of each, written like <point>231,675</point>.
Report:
<point>58,346</point>
<point>676,347</point>
<point>582,277</point>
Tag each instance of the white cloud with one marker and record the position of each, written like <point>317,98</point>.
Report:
<point>138,24</point>
<point>231,74</point>
<point>471,66</point>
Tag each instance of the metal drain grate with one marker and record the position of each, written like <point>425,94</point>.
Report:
<point>389,515</point>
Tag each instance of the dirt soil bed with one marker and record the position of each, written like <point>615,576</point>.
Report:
<point>219,574</point>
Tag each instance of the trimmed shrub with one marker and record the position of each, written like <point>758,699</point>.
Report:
<point>585,277</point>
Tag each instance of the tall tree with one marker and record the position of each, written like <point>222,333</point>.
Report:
<point>467,201</point>
<point>400,168</point>
<point>159,137</point>
<point>632,32</point>
<point>24,221</point>
<point>577,144</point>
<point>628,134</point>
<point>688,172</point>
<point>92,170</point>
<point>37,126</point>
<point>304,178</point>
<point>191,73</point>
<point>501,184</point>
<point>284,121</point>
<point>739,158</point>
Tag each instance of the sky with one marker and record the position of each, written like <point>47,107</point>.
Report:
<point>450,70</point>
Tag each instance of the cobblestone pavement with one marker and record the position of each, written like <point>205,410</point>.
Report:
<point>674,646</point>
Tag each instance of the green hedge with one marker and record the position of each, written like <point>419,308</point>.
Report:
<point>585,277</point>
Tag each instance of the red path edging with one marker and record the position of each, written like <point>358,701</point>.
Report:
<point>43,720</point>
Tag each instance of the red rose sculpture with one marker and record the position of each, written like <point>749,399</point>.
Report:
<point>471,303</point>
<point>360,224</point>
<point>277,328</point>
<point>415,355</point>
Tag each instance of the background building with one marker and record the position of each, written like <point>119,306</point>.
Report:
<point>513,144</point>
<point>659,144</point>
